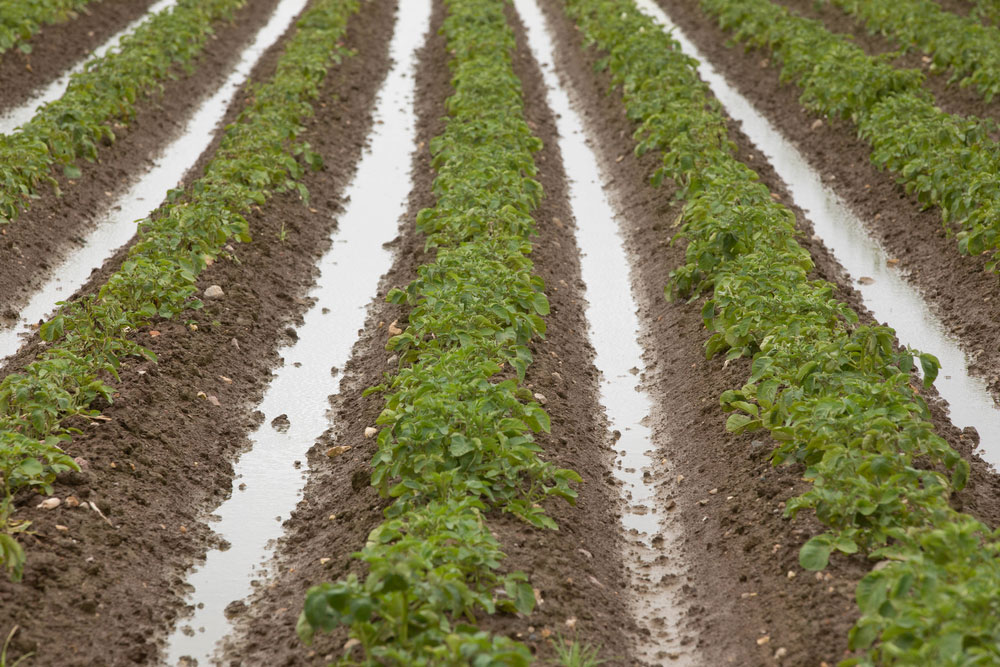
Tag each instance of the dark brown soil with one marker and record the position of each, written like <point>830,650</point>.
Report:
<point>55,225</point>
<point>55,48</point>
<point>578,570</point>
<point>105,593</point>
<point>738,548</point>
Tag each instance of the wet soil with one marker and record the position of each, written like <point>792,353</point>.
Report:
<point>577,570</point>
<point>55,225</point>
<point>99,592</point>
<point>57,47</point>
<point>743,605</point>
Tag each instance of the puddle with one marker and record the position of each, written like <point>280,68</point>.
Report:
<point>118,224</point>
<point>268,482</point>
<point>14,117</point>
<point>614,333</point>
<point>885,292</point>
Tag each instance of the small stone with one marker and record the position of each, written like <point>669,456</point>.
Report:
<point>337,451</point>
<point>585,553</point>
<point>72,501</point>
<point>763,640</point>
<point>818,123</point>
<point>371,432</point>
<point>791,574</point>
<point>866,280</point>
<point>541,398</point>
<point>214,401</point>
<point>780,653</point>
<point>49,503</point>
<point>62,528</point>
<point>393,329</point>
<point>214,292</point>
<point>324,561</point>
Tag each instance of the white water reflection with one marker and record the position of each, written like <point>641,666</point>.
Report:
<point>14,117</point>
<point>889,297</point>
<point>270,484</point>
<point>118,224</point>
<point>614,333</point>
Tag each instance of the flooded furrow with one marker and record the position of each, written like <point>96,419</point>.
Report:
<point>885,291</point>
<point>118,224</point>
<point>16,116</point>
<point>614,332</point>
<point>269,478</point>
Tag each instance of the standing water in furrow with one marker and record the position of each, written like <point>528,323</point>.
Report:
<point>614,331</point>
<point>117,225</point>
<point>890,298</point>
<point>16,116</point>
<point>268,480</point>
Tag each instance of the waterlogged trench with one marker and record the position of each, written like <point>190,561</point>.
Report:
<point>614,331</point>
<point>269,479</point>
<point>16,116</point>
<point>885,292</point>
<point>118,224</point>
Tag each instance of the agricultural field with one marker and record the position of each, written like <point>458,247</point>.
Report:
<point>499,332</point>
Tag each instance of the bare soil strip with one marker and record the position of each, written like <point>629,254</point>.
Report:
<point>744,606</point>
<point>106,592</point>
<point>57,47</point>
<point>578,570</point>
<point>54,225</point>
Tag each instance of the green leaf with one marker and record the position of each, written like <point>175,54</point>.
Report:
<point>72,172</point>
<point>815,554</point>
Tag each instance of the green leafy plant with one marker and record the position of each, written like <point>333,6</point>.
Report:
<point>959,43</point>
<point>70,128</point>
<point>260,154</point>
<point>456,430</point>
<point>573,653</point>
<point>836,396</point>
<point>19,20</point>
<point>6,647</point>
<point>945,160</point>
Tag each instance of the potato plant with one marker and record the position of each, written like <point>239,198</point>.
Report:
<point>260,154</point>
<point>71,128</point>
<point>835,395</point>
<point>945,160</point>
<point>456,436</point>
<point>959,43</point>
<point>20,20</point>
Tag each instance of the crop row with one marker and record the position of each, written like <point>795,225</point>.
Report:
<point>456,431</point>
<point>987,10</point>
<point>72,127</point>
<point>42,406</point>
<point>969,48</point>
<point>835,395</point>
<point>948,161</point>
<point>20,20</point>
